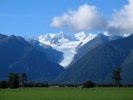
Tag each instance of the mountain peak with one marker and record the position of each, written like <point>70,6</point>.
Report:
<point>66,43</point>
<point>80,35</point>
<point>61,33</point>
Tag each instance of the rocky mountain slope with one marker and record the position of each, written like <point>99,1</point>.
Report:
<point>52,54</point>
<point>98,64</point>
<point>18,56</point>
<point>73,46</point>
<point>65,43</point>
<point>98,40</point>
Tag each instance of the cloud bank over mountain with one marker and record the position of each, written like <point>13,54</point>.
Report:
<point>88,18</point>
<point>85,18</point>
<point>122,20</point>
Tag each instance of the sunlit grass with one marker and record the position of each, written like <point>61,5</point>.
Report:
<point>67,94</point>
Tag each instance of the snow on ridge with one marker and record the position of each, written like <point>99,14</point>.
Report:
<point>80,36</point>
<point>45,38</point>
<point>89,38</point>
<point>66,43</point>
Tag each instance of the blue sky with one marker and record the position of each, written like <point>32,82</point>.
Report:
<point>34,17</point>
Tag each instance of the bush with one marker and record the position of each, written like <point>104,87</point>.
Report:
<point>3,84</point>
<point>88,84</point>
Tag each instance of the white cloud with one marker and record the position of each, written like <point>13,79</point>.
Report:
<point>85,18</point>
<point>122,21</point>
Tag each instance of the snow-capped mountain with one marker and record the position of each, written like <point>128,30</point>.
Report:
<point>66,43</point>
<point>55,39</point>
<point>88,46</point>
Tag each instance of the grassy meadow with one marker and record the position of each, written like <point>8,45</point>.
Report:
<point>67,94</point>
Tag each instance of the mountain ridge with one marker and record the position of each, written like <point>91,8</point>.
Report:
<point>73,46</point>
<point>97,41</point>
<point>98,64</point>
<point>19,56</point>
<point>65,43</point>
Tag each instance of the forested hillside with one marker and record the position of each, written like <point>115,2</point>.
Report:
<point>99,63</point>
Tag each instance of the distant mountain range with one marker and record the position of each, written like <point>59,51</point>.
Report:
<point>98,64</point>
<point>19,56</point>
<point>98,40</point>
<point>65,43</point>
<point>72,46</point>
<point>84,57</point>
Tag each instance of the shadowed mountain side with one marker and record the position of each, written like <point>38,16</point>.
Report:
<point>98,64</point>
<point>18,56</point>
<point>52,54</point>
<point>98,40</point>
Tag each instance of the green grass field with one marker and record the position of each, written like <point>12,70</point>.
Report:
<point>67,94</point>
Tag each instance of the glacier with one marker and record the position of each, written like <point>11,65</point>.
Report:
<point>66,43</point>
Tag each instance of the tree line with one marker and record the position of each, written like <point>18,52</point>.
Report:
<point>116,76</point>
<point>16,81</point>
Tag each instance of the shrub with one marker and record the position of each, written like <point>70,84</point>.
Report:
<point>88,84</point>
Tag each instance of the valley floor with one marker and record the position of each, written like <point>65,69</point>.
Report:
<point>67,94</point>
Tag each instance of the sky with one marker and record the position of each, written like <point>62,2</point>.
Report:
<point>37,17</point>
